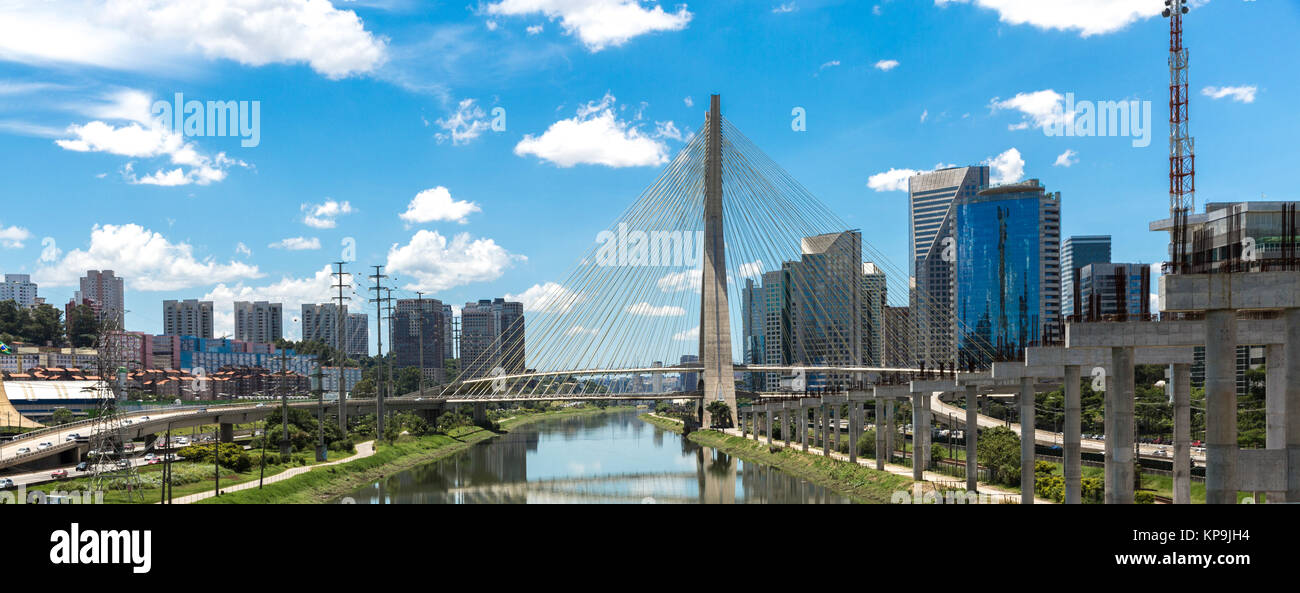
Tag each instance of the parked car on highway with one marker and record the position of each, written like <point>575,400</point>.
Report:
<point>59,474</point>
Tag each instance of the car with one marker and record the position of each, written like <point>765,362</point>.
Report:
<point>144,418</point>
<point>83,466</point>
<point>127,422</point>
<point>149,456</point>
<point>182,441</point>
<point>6,483</point>
<point>128,447</point>
<point>59,474</point>
<point>154,461</point>
<point>45,445</point>
<point>122,463</point>
<point>260,405</point>
<point>23,450</point>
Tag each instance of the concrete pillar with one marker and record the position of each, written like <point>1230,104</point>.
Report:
<point>891,431</point>
<point>1291,321</point>
<point>835,419</point>
<point>227,433</point>
<point>1071,446</point>
<point>768,417</point>
<point>882,436</point>
<point>855,429</point>
<point>926,438</point>
<point>1220,407</point>
<point>1119,426</point>
<point>1181,383</point>
<point>480,413</point>
<point>1275,404</point>
<point>803,426</point>
<point>149,440</point>
<point>1027,456</point>
<point>825,424</point>
<point>918,412</point>
<point>972,436</point>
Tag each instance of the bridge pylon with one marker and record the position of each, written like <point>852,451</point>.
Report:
<point>715,315</point>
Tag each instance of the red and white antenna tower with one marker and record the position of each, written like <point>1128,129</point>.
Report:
<point>1182,153</point>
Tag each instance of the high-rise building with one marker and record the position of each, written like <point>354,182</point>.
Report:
<point>491,336</point>
<point>450,331</point>
<point>1077,252</point>
<point>259,321</point>
<point>1241,236</point>
<point>933,249</point>
<point>20,289</point>
<point>419,323</point>
<point>898,337</point>
<point>190,317</point>
<point>689,381</point>
<point>105,290</point>
<point>1008,274</point>
<point>1115,291</point>
<point>753,311</point>
<point>320,324</point>
<point>874,294</point>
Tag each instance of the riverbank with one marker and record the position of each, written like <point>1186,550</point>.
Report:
<point>859,483</point>
<point>328,483</point>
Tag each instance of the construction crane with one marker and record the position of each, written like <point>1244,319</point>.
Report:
<point>1182,153</point>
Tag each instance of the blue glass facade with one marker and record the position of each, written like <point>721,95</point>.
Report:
<point>998,280</point>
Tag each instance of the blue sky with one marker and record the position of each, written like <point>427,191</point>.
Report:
<point>376,126</point>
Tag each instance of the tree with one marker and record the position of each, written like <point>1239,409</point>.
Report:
<point>83,327</point>
<point>999,450</point>
<point>61,416</point>
<point>720,413</point>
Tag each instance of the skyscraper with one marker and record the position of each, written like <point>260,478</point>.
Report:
<point>18,288</point>
<point>105,290</point>
<point>753,333</point>
<point>190,317</point>
<point>491,336</point>
<point>874,293</point>
<point>259,321</point>
<point>1118,290</point>
<point>419,323</point>
<point>1076,252</point>
<point>320,322</point>
<point>449,332</point>
<point>1008,278</point>
<point>932,221</point>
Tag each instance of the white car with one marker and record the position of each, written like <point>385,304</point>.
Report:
<point>44,445</point>
<point>149,456</point>
<point>144,418</point>
<point>23,451</point>
<point>182,441</point>
<point>72,437</point>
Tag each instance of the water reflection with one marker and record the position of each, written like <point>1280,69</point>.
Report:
<point>606,458</point>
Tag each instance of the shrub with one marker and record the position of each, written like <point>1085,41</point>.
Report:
<point>229,455</point>
<point>1093,489</point>
<point>1043,467</point>
<point>1144,497</point>
<point>867,444</point>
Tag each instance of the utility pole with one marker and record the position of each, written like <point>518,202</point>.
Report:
<point>379,335</point>
<point>340,306</point>
<point>317,384</point>
<point>388,303</point>
<point>420,316</point>
<point>284,408</point>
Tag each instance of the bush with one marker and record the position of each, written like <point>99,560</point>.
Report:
<point>1144,497</point>
<point>1049,486</point>
<point>342,445</point>
<point>1043,467</point>
<point>1093,489</point>
<point>229,455</point>
<point>867,444</point>
<point>999,450</point>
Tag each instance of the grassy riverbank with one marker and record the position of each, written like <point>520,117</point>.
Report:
<point>860,483</point>
<point>328,483</point>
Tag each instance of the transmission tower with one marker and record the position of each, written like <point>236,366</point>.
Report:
<point>1182,153</point>
<point>379,335</point>
<point>107,435</point>
<point>340,328</point>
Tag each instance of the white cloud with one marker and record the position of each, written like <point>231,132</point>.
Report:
<point>752,269</point>
<point>595,137</point>
<point>547,298</point>
<point>1240,94</point>
<point>535,29</point>
<point>784,8</point>
<point>242,249</point>
<point>438,264</point>
<point>147,260</point>
<point>886,65</point>
<point>143,35</point>
<point>1088,17</point>
<point>296,244</point>
<point>689,102</point>
<point>648,310</point>
<point>1041,109</point>
<point>1007,167</point>
<point>599,23</point>
<point>323,215</point>
<point>1067,158</point>
<point>144,137</point>
<point>467,123</point>
<point>436,204</point>
<point>830,64</point>
<point>692,280</point>
<point>690,335</point>
<point>292,292</point>
<point>925,114</point>
<point>892,180</point>
<point>12,237</point>
<point>578,330</point>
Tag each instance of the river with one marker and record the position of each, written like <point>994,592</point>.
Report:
<point>598,458</point>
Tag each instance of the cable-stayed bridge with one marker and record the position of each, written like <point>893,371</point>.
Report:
<point>723,246</point>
